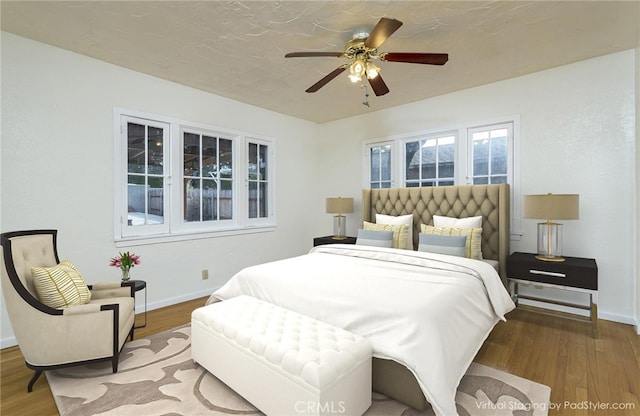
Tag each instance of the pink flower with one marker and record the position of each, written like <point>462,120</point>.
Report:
<point>125,261</point>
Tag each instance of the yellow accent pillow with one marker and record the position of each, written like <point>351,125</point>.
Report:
<point>400,232</point>
<point>472,248</point>
<point>60,286</point>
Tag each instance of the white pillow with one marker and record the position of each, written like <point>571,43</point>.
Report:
<point>450,222</point>
<point>402,219</point>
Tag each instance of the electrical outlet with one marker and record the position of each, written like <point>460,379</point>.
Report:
<point>205,274</point>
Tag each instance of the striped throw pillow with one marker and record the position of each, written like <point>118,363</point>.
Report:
<point>474,238</point>
<point>375,238</point>
<point>443,244</point>
<point>61,285</point>
<point>400,232</point>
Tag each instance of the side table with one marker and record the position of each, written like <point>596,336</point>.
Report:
<point>318,241</point>
<point>138,285</point>
<point>575,274</point>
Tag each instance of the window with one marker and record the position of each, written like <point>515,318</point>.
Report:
<point>380,166</point>
<point>207,178</point>
<point>479,154</point>
<point>258,179</point>
<point>430,161</point>
<point>146,144</point>
<point>178,178</point>
<point>490,153</point>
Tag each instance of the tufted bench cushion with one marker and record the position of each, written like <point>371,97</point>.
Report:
<point>283,362</point>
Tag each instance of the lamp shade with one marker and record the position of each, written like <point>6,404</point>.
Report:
<point>339,205</point>
<point>552,206</point>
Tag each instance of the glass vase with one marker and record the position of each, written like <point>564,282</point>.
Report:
<point>125,274</point>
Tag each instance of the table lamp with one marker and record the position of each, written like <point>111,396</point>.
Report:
<point>551,207</point>
<point>339,206</point>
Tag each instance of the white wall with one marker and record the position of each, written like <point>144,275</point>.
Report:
<point>577,136</point>
<point>58,158</point>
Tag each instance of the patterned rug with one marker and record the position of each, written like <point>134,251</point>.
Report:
<point>156,377</point>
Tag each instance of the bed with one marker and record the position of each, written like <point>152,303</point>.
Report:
<point>425,314</point>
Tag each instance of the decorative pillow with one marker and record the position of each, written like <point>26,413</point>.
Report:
<point>443,244</point>
<point>402,219</point>
<point>375,238</point>
<point>450,222</point>
<point>469,222</point>
<point>474,238</point>
<point>399,232</point>
<point>60,286</point>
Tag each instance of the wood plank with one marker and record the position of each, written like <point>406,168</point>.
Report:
<point>560,353</point>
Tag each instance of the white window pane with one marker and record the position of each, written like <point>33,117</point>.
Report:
<point>191,154</point>
<point>499,156</point>
<point>225,200</point>
<point>480,135</point>
<point>209,200</point>
<point>412,158</point>
<point>480,157</point>
<point>136,154</point>
<point>225,158</point>
<point>192,200</point>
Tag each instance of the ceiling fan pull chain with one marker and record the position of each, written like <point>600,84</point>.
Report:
<point>366,95</point>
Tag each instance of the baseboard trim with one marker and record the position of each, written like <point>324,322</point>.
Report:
<point>11,341</point>
<point>608,316</point>
<point>172,301</point>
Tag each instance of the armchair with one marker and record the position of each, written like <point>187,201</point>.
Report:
<point>51,338</point>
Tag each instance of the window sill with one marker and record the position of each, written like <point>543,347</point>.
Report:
<point>187,236</point>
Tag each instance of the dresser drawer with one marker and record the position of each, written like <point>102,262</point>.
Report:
<point>573,272</point>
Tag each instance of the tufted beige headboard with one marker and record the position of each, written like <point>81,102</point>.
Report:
<point>490,201</point>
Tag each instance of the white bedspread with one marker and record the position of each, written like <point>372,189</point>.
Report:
<point>426,311</point>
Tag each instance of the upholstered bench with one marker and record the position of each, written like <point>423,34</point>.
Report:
<point>283,362</point>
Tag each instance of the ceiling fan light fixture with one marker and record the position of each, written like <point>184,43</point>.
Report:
<point>355,78</point>
<point>357,67</point>
<point>372,70</point>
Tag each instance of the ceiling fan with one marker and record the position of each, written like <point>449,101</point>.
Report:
<point>362,49</point>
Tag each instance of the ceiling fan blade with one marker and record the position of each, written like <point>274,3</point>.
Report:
<point>415,58</point>
<point>313,54</point>
<point>378,85</point>
<point>324,81</point>
<point>381,32</point>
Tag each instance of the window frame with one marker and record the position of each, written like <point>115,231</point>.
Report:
<point>212,225</point>
<point>463,162</point>
<point>509,126</point>
<point>430,136</point>
<point>270,206</point>
<point>369,145</point>
<point>175,228</point>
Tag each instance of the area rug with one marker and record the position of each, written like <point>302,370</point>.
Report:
<point>156,377</point>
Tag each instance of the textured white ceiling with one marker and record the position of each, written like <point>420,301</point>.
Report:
<point>236,49</point>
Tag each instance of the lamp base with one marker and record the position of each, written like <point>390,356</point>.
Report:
<point>550,258</point>
<point>339,227</point>
<point>549,241</point>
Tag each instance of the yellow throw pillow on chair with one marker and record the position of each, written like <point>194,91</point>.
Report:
<point>60,286</point>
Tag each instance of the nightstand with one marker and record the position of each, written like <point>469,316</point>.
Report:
<point>138,285</point>
<point>575,274</point>
<point>318,241</point>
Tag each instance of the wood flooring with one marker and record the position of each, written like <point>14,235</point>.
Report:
<point>587,376</point>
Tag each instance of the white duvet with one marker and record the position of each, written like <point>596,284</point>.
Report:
<point>426,311</point>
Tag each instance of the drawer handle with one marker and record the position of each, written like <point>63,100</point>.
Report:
<point>554,274</point>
